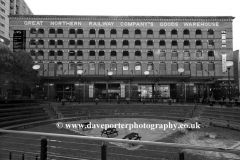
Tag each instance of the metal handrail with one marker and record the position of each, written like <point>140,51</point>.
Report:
<point>173,145</point>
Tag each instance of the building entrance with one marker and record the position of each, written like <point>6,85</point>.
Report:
<point>114,91</point>
<point>65,91</point>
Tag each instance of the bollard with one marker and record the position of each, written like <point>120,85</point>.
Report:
<point>10,155</point>
<point>181,156</point>
<point>22,156</point>
<point>104,151</point>
<point>43,155</point>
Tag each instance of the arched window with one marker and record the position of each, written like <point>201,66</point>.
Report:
<point>186,32</point>
<point>125,43</point>
<point>79,42</point>
<point>199,66</point>
<point>150,66</point>
<point>59,53</point>
<point>186,43</point>
<point>33,31</point>
<point>71,42</point>
<point>198,32</point>
<point>92,31</point>
<point>92,43</point>
<point>149,31</point>
<point>137,53</point>
<point>186,66</point>
<point>125,31</point>
<point>162,32</point>
<point>40,31</point>
<point>210,32</point>
<point>137,66</point>
<point>59,31</point>
<point>40,42</point>
<point>33,53</point>
<point>92,53</point>
<point>101,66</point>
<point>125,66</point>
<point>59,42</point>
<point>51,31</point>
<point>113,43</point>
<point>211,66</point>
<point>32,42</point>
<point>174,43</point>
<point>101,31</point>
<point>79,53</point>
<point>199,54</point>
<point>137,31</point>
<point>101,42</point>
<point>71,53</point>
<point>79,31</point>
<point>198,43</point>
<point>113,66</point>
<point>162,43</point>
<point>40,53</point>
<point>162,66</point>
<point>51,53</point>
<point>150,42</point>
<point>162,54</point>
<point>174,54</point>
<point>113,31</point>
<point>174,32</point>
<point>186,54</point>
<point>210,43</point>
<point>113,53</point>
<point>126,53</point>
<point>101,53</point>
<point>174,66</point>
<point>150,53</point>
<point>137,43</point>
<point>210,54</point>
<point>51,42</point>
<point>72,31</point>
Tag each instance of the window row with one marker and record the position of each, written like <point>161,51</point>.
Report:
<point>114,31</point>
<point>149,53</point>
<point>125,66</point>
<point>114,42</point>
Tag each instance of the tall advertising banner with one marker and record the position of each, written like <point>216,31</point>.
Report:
<point>224,58</point>
<point>91,91</point>
<point>122,91</point>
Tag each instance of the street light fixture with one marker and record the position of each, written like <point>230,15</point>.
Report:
<point>229,64</point>
<point>181,70</point>
<point>36,67</point>
<point>79,72</point>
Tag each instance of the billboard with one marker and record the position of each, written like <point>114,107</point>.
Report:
<point>19,40</point>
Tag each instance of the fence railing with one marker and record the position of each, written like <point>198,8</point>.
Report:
<point>44,153</point>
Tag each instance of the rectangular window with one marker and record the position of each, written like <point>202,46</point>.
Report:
<point>162,54</point>
<point>211,66</point>
<point>174,66</point>
<point>199,66</point>
<point>91,66</point>
<point>186,66</point>
<point>113,66</point>
<point>198,54</point>
<point>71,66</point>
<point>101,66</point>
<point>60,66</point>
<point>162,66</point>
<point>174,54</point>
<point>51,66</point>
<point>150,66</point>
<point>138,66</point>
<point>79,53</point>
<point>79,66</point>
<point>125,66</point>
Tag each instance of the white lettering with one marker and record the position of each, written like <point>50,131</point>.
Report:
<point>202,24</point>
<point>33,23</point>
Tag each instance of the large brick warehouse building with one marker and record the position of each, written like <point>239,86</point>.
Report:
<point>128,56</point>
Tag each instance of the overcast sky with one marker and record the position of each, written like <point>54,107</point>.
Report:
<point>143,8</point>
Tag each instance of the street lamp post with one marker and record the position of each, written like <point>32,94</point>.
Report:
<point>79,72</point>
<point>36,67</point>
<point>229,64</point>
<point>109,73</point>
<point>181,70</point>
